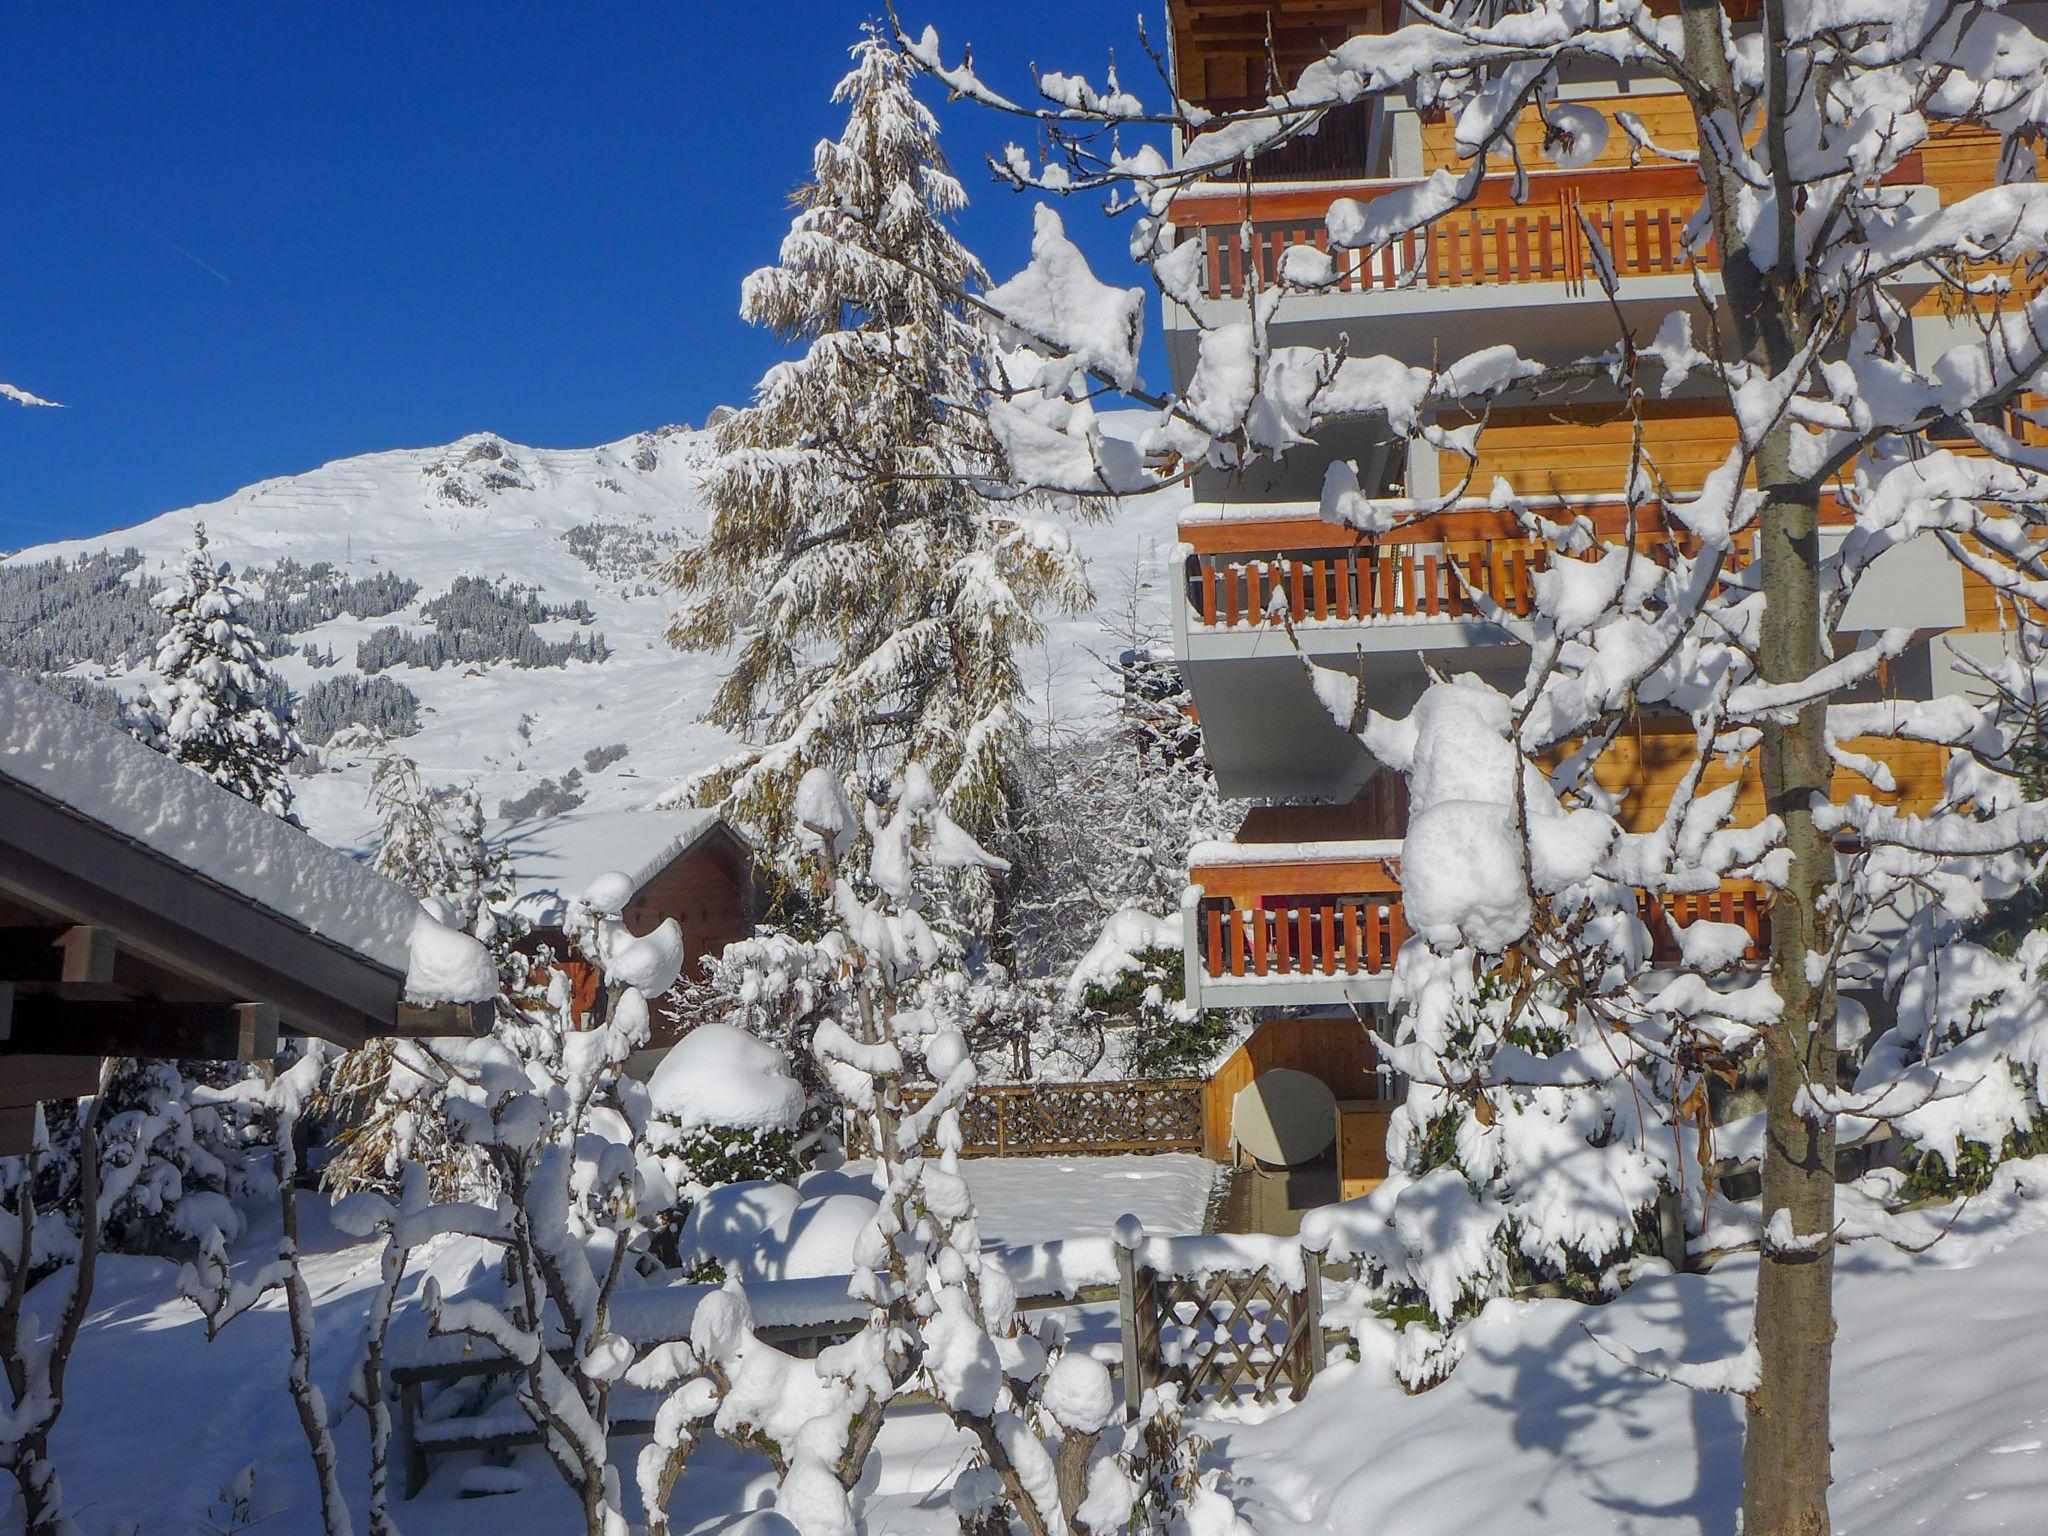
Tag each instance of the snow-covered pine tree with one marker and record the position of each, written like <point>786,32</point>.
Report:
<point>1109,809</point>
<point>218,699</point>
<point>873,596</point>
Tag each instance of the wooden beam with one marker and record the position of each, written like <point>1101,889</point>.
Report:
<point>60,1026</point>
<point>444,1020</point>
<point>17,1129</point>
<point>88,956</point>
<point>33,1079</point>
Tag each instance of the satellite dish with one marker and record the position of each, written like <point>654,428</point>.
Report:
<point>1284,1116</point>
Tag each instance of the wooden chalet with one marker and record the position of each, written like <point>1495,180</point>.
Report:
<point>1300,914</point>
<point>687,865</point>
<point>145,911</point>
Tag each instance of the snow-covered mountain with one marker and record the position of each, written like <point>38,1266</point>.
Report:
<point>588,525</point>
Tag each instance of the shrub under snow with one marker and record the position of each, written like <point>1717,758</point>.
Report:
<point>723,1109</point>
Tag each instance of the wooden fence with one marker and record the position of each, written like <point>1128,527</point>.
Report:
<point>1255,1329</point>
<point>1072,1119</point>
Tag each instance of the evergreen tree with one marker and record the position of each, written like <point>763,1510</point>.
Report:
<point>874,596</point>
<point>219,701</point>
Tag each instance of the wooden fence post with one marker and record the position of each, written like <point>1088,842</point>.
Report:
<point>1129,1233</point>
<point>1312,1313</point>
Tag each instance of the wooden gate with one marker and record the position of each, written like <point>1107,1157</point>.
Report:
<point>1218,1332</point>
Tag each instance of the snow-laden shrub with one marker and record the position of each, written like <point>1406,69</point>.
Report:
<point>1977,1016</point>
<point>1133,981</point>
<point>1522,1159</point>
<point>550,797</point>
<point>723,1108</point>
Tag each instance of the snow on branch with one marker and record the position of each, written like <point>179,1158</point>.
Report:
<point>1738,1374</point>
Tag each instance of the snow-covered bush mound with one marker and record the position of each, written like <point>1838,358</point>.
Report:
<point>814,1237</point>
<point>758,1230</point>
<point>728,1222</point>
<point>1120,948</point>
<point>719,1075</point>
<point>723,1110</point>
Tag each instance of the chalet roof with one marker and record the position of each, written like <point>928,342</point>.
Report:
<point>105,775</point>
<point>144,910</point>
<point>554,858</point>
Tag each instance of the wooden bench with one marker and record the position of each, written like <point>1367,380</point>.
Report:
<point>508,1426</point>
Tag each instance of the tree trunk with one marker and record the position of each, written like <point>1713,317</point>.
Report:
<point>1786,1450</point>
<point>1786,1453</point>
<point>306,1397</point>
<point>42,1495</point>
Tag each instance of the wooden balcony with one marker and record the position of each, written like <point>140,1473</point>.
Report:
<point>1320,911</point>
<point>1639,214</point>
<point>1300,569</point>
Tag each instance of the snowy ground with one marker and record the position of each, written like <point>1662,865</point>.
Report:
<point>144,1366</point>
<point>1942,1422</point>
<point>1045,1199</point>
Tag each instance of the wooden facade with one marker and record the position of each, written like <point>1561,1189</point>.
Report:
<point>708,887</point>
<point>1332,1048</point>
<point>1310,894</point>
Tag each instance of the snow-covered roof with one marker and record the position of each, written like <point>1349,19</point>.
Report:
<point>103,774</point>
<point>555,858</point>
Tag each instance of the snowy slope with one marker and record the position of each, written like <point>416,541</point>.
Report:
<point>488,508</point>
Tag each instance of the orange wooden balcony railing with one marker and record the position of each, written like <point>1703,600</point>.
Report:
<point>1326,917</point>
<point>1639,214</point>
<point>1261,570</point>
<point>1284,909</point>
<point>1360,583</point>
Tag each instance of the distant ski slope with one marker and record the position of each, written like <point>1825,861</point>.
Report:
<point>493,509</point>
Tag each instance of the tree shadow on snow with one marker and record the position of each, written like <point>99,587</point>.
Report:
<point>1595,1418</point>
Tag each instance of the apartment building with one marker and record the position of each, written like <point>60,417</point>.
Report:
<point>1302,909</point>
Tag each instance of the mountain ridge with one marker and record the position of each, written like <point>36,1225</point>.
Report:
<point>579,530</point>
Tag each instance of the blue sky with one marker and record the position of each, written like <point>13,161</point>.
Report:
<point>243,239</point>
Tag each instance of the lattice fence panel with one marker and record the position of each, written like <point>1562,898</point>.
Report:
<point>1069,1119</point>
<point>1228,1333</point>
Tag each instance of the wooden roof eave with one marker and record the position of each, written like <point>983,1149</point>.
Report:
<point>190,927</point>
